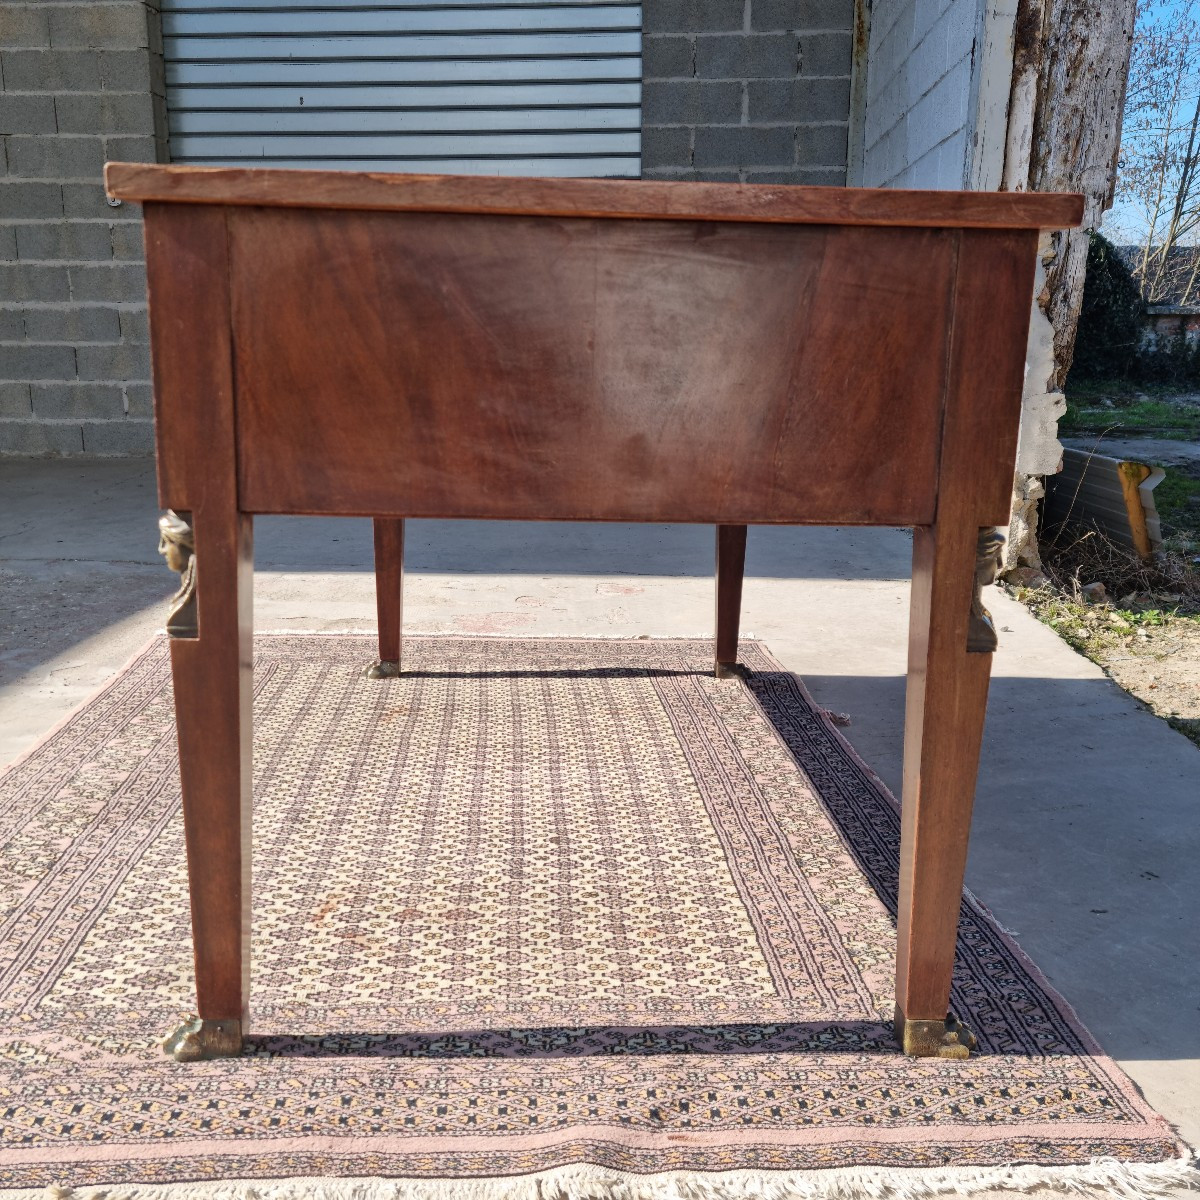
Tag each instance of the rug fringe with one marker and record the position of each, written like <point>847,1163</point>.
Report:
<point>1100,1177</point>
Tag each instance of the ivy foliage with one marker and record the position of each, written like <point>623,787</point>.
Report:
<point>1109,332</point>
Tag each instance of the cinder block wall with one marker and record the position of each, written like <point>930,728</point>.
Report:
<point>919,88</point>
<point>81,83</point>
<point>746,90</point>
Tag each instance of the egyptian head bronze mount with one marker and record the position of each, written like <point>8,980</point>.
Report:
<point>177,544</point>
<point>981,630</point>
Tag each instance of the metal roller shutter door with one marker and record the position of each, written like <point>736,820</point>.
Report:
<point>461,86</point>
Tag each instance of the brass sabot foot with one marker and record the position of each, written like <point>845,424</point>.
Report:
<point>197,1039</point>
<point>728,670</point>
<point>934,1039</point>
<point>382,669</point>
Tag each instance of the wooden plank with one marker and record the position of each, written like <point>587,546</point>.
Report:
<point>731,570</point>
<point>499,367</point>
<point>187,272</point>
<point>389,590</point>
<point>635,199</point>
<point>947,685</point>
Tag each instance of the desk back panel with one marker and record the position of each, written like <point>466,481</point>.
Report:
<point>450,365</point>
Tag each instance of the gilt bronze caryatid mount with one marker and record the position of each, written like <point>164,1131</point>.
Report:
<point>196,1039</point>
<point>981,631</point>
<point>177,544</point>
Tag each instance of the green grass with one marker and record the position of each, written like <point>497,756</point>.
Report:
<point>1085,415</point>
<point>1172,498</point>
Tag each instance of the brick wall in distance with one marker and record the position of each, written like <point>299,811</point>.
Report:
<point>753,91</point>
<point>79,84</point>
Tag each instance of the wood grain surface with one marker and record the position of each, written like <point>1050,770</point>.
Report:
<point>636,198</point>
<point>947,686</point>
<point>187,269</point>
<point>432,365</point>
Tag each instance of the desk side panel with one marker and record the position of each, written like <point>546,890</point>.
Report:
<point>442,365</point>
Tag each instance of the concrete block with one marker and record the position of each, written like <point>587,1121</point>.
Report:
<point>927,62</point>
<point>885,107</point>
<point>692,16</point>
<point>23,25</point>
<point>50,71</point>
<point>8,241</point>
<point>820,177</point>
<point>122,361</point>
<point>70,240</point>
<point>60,401</point>
<point>139,399</point>
<point>19,198</point>
<point>98,25</point>
<point>961,22</point>
<point>127,240</point>
<point>27,114</point>
<point>925,16</point>
<point>105,112</point>
<point>118,437</point>
<point>131,149</point>
<point>135,326</point>
<point>691,102</point>
<point>825,53</point>
<point>14,400</point>
<point>954,162</point>
<point>90,323</point>
<point>89,200</point>
<point>771,175</point>
<point>124,70</point>
<point>120,282</point>
<point>12,326</point>
<point>35,438</point>
<point>666,147</point>
<point>821,146</point>
<point>771,15</point>
<point>32,281</point>
<point>667,57</point>
<point>792,101</point>
<point>745,146</point>
<point>56,157</point>
<point>939,114</point>
<point>23,361</point>
<point>746,56</point>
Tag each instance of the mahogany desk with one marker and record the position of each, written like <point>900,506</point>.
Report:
<point>435,346</point>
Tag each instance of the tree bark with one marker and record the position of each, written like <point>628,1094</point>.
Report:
<point>1070,67</point>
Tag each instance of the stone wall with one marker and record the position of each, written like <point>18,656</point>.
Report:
<point>754,91</point>
<point>81,83</point>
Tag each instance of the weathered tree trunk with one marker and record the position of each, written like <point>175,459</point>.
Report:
<point>1070,66</point>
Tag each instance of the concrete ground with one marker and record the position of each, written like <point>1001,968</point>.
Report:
<point>1087,824</point>
<point>1157,452</point>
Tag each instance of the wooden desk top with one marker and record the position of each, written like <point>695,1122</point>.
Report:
<point>631,199</point>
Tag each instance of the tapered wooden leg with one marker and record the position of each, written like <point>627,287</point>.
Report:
<point>389,595</point>
<point>947,696</point>
<point>731,566</point>
<point>211,664</point>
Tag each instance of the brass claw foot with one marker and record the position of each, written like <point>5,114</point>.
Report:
<point>382,669</point>
<point>934,1039</point>
<point>197,1039</point>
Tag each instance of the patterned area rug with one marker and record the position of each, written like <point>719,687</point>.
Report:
<point>540,918</point>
